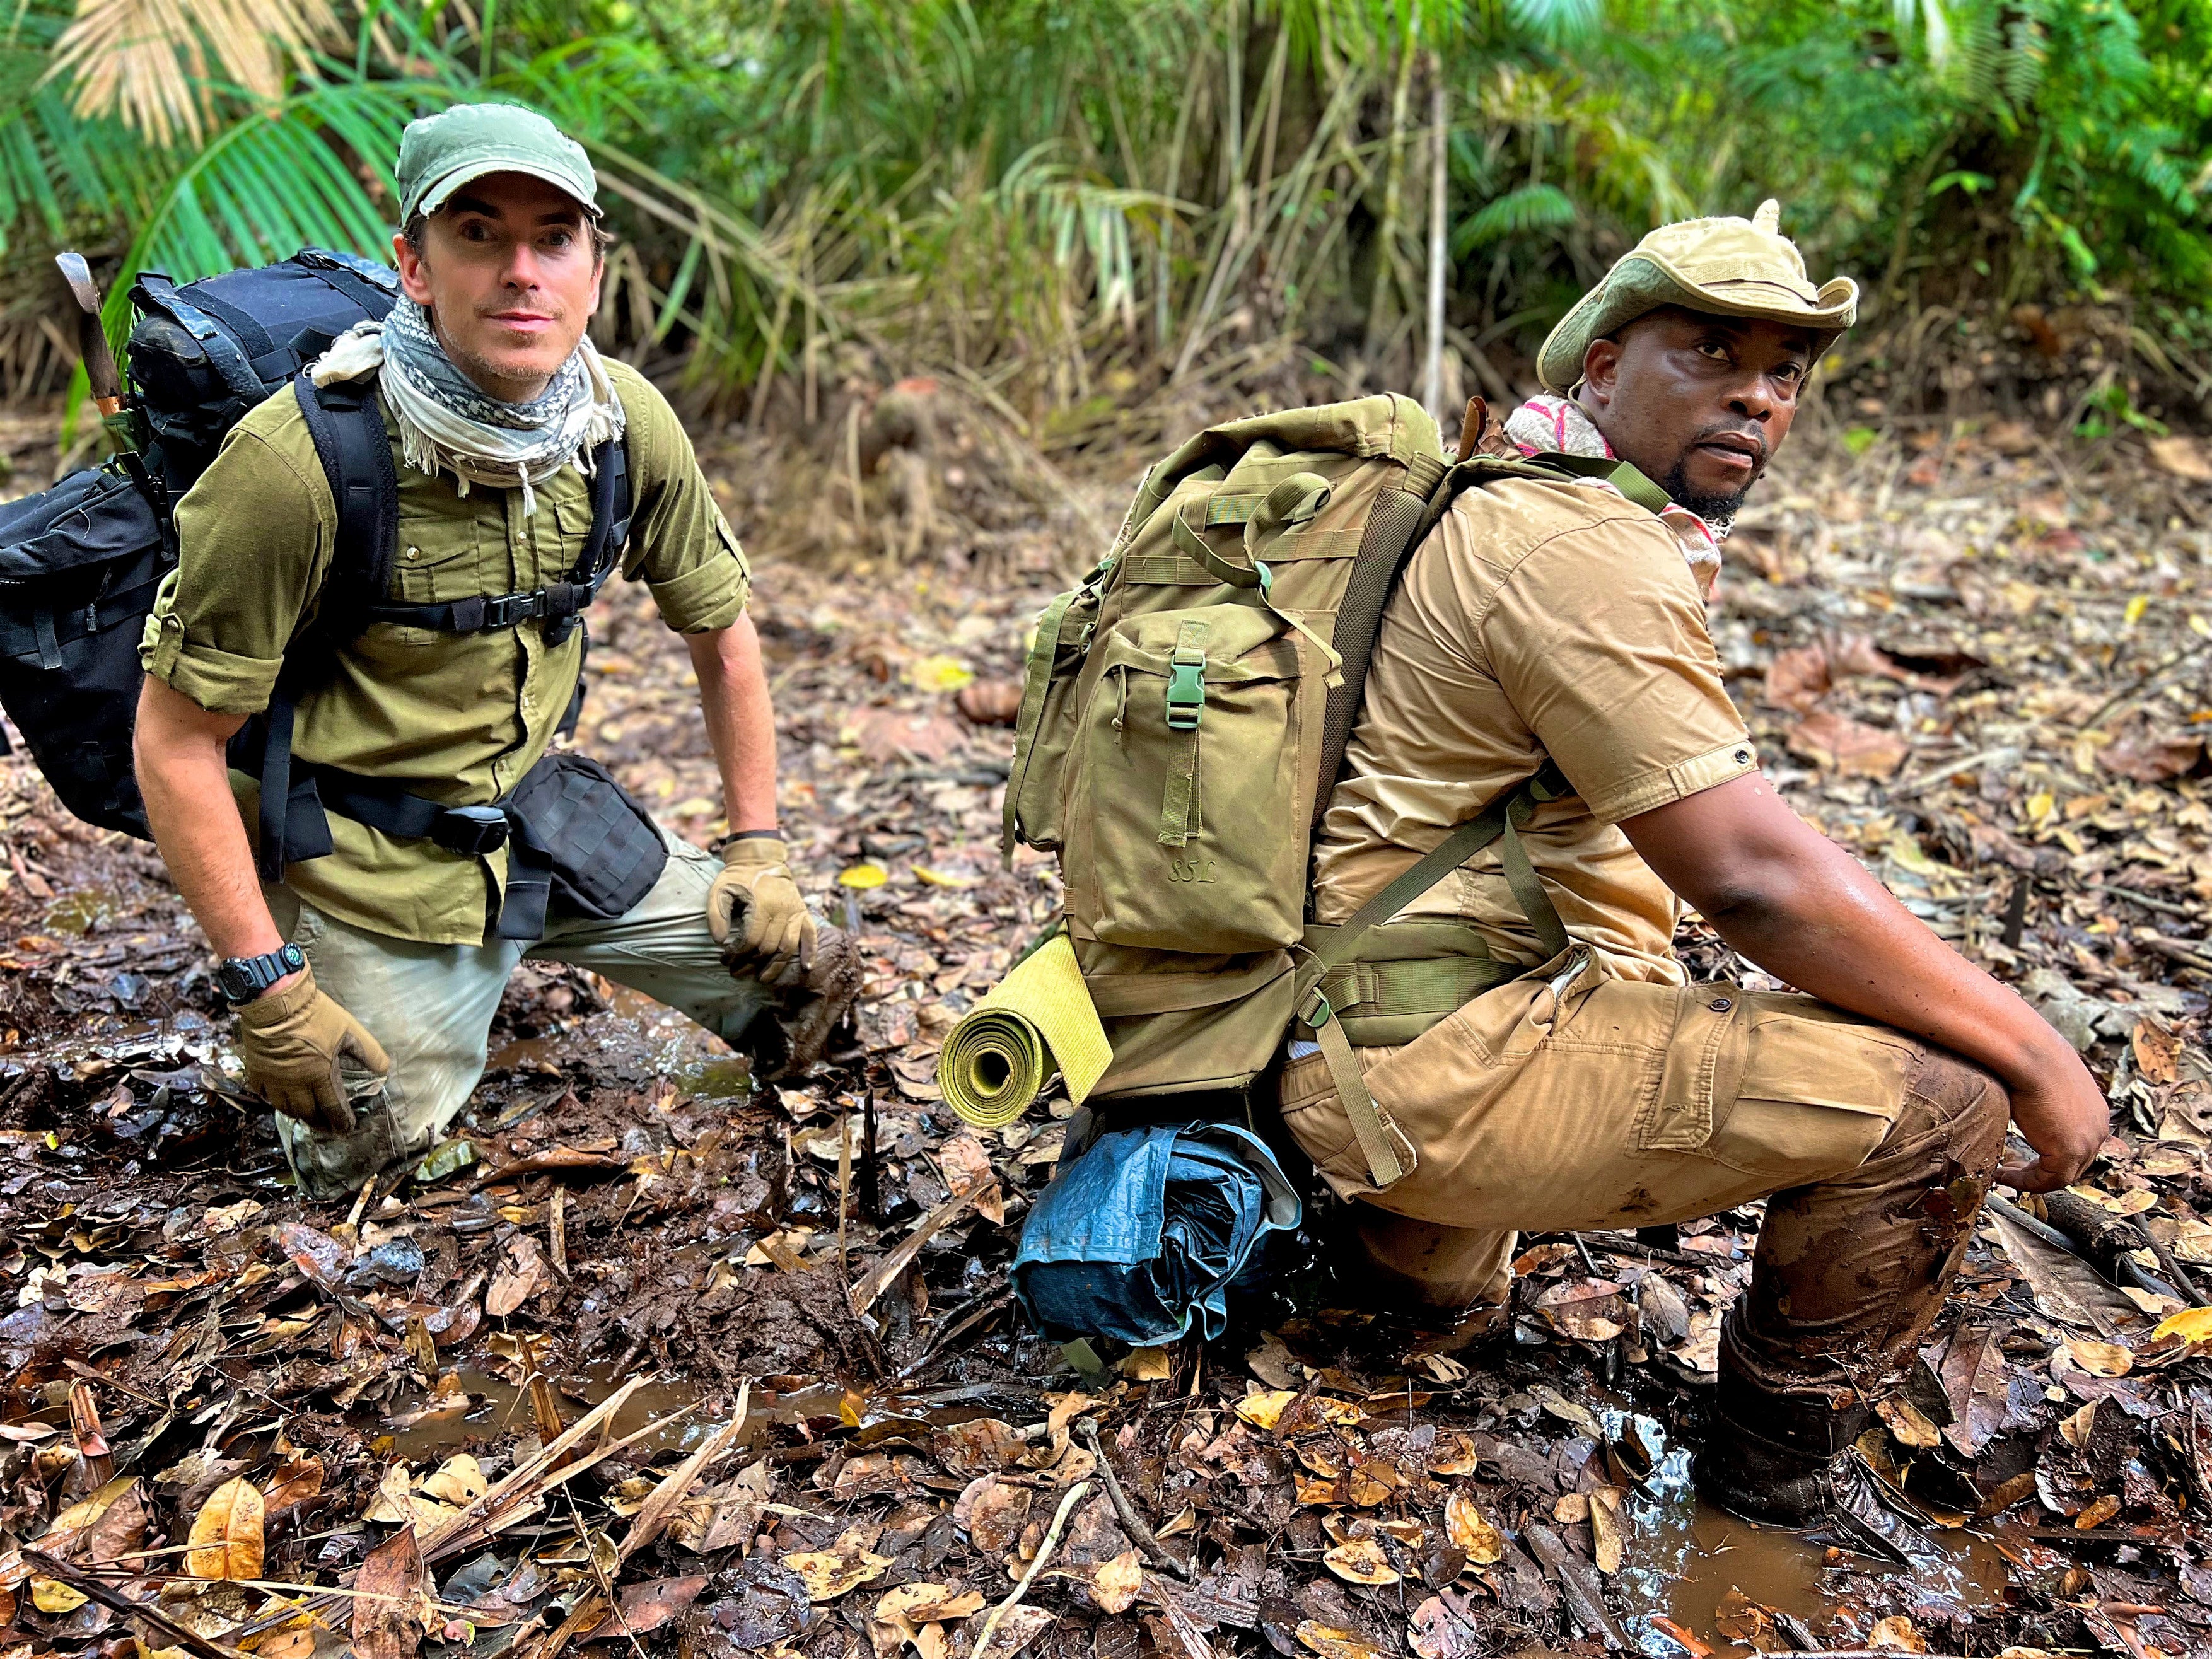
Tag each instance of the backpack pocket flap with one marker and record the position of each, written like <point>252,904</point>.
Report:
<point>90,518</point>
<point>1240,643</point>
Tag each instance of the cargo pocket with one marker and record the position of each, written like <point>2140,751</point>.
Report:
<point>1819,1091</point>
<point>1191,786</point>
<point>1044,730</point>
<point>1316,1120</point>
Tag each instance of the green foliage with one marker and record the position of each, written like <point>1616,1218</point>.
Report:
<point>1043,199</point>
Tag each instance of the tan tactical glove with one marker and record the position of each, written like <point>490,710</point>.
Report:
<point>291,1042</point>
<point>755,912</point>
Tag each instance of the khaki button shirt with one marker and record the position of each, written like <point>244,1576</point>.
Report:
<point>457,717</point>
<point>1537,619</point>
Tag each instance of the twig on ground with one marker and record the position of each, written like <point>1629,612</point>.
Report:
<point>115,1601</point>
<point>1132,1523</point>
<point>1076,1494</point>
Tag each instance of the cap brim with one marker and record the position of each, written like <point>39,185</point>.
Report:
<point>1608,309</point>
<point>440,191</point>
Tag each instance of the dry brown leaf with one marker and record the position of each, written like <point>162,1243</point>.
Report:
<point>226,1536</point>
<point>1455,1453</point>
<point>990,702</point>
<point>2148,758</point>
<point>1895,1634</point>
<point>1908,1422</point>
<point>1117,1584</point>
<point>1469,1530</point>
<point>2100,1358</point>
<point>390,1609</point>
<point>829,1574</point>
<point>1361,1561</point>
<point>1837,744</point>
<point>292,1484</point>
<point>2158,1051</point>
<point>1797,680</point>
<point>2098,1511</point>
<point>2182,457</point>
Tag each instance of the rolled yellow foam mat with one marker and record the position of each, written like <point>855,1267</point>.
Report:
<point>1039,1019</point>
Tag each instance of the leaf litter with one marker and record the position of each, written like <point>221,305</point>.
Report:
<point>640,1361</point>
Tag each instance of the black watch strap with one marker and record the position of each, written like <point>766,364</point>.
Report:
<point>242,979</point>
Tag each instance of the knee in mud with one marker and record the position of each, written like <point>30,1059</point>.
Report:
<point>1967,1102</point>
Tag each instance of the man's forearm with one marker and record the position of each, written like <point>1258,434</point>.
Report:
<point>740,723</point>
<point>185,780</point>
<point>1826,925</point>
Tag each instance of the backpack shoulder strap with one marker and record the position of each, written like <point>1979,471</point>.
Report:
<point>346,425</point>
<point>1501,820</point>
<point>1479,470</point>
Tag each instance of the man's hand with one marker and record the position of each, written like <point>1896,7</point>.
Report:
<point>755,912</point>
<point>2065,1118</point>
<point>291,1040</point>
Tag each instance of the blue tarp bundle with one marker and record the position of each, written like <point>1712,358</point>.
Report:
<point>1146,1229</point>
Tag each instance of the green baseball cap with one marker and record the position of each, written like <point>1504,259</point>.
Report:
<point>441,153</point>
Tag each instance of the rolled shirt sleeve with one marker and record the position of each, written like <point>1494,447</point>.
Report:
<point>1598,640</point>
<point>249,564</point>
<point>680,545</point>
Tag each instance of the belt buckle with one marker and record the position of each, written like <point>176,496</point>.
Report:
<point>508,609</point>
<point>472,829</point>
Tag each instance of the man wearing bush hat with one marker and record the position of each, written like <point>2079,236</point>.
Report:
<point>366,934</point>
<point>1591,1086</point>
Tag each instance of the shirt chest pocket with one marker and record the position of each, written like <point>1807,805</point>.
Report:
<point>441,558</point>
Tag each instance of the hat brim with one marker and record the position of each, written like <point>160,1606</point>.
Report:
<point>441,190</point>
<point>1644,284</point>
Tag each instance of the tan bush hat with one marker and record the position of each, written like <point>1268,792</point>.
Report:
<point>1730,267</point>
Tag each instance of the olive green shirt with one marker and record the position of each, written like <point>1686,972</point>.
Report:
<point>457,718</point>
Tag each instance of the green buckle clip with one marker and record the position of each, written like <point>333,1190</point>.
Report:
<point>1317,1012</point>
<point>1186,689</point>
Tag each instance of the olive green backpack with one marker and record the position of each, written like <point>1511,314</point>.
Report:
<point>1183,721</point>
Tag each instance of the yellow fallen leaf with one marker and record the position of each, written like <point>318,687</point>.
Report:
<point>2100,1358</point>
<point>1333,1644</point>
<point>2191,1325</point>
<point>1117,1583</point>
<point>1895,1634</point>
<point>2075,1429</point>
<point>940,674</point>
<point>1468,1528</point>
<point>863,875</point>
<point>2134,613</point>
<point>1608,1536</point>
<point>459,1480</point>
<point>226,1536</point>
<point>48,1595</point>
<point>1908,1423</point>
<point>929,878</point>
<point>1263,1409</point>
<point>1361,1561</point>
<point>1455,1453</point>
<point>1147,1365</point>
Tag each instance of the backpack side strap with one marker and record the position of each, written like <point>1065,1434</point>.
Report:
<point>1502,819</point>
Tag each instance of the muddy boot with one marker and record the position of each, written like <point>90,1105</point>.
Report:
<point>807,1011</point>
<point>1789,1461</point>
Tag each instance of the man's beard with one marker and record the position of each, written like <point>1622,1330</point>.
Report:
<point>1718,511</point>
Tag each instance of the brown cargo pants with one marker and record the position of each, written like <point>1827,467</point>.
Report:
<point>1571,1099</point>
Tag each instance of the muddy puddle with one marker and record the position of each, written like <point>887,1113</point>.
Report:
<point>693,1059</point>
<point>1683,1557</point>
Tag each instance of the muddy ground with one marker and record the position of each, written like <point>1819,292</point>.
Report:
<point>1976,656</point>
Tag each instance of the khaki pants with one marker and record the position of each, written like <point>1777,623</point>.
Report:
<point>1570,1099</point>
<point>431,1006</point>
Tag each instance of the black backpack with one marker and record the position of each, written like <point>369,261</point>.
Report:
<point>81,563</point>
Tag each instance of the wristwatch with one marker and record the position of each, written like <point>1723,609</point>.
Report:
<point>242,979</point>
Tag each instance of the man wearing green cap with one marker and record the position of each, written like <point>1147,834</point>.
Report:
<point>366,980</point>
<point>1563,621</point>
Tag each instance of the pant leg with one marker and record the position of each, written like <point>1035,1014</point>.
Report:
<point>1850,1270</point>
<point>662,948</point>
<point>430,1006</point>
<point>1581,1102</point>
<point>1418,1263</point>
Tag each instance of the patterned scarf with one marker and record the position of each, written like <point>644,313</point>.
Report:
<point>1558,426</point>
<point>449,424</point>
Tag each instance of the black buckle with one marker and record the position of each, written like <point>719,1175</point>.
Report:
<point>474,831</point>
<point>508,609</point>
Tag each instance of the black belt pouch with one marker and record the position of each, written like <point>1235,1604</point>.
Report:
<point>606,850</point>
